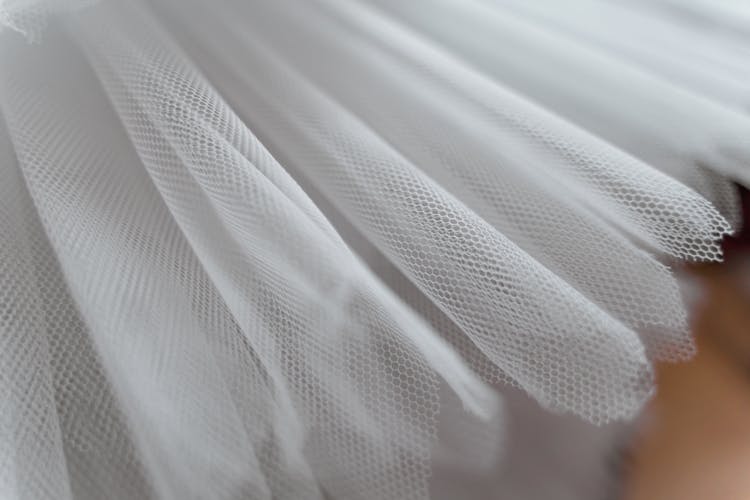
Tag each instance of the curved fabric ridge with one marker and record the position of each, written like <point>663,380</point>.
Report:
<point>730,15</point>
<point>676,131</point>
<point>99,460</point>
<point>483,166</point>
<point>634,196</point>
<point>484,282</point>
<point>30,432</point>
<point>687,57</point>
<point>124,321</point>
<point>245,366</point>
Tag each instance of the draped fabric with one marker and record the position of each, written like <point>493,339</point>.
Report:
<point>298,249</point>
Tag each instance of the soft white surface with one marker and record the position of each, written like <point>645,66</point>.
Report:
<point>282,248</point>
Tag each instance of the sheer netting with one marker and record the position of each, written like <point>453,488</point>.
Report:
<point>297,249</point>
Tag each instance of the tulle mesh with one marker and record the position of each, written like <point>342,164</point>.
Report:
<point>261,249</point>
<point>683,134</point>
<point>30,17</point>
<point>252,353</point>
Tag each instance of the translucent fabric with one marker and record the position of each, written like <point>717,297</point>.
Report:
<point>283,248</point>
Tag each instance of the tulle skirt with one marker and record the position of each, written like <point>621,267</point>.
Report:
<point>299,249</point>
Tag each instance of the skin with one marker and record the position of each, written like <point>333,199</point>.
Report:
<point>694,438</point>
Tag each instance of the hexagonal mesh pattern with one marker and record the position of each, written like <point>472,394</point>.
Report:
<point>246,246</point>
<point>193,327</point>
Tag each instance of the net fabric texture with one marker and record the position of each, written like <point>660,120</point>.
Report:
<point>277,249</point>
<point>30,17</point>
<point>281,370</point>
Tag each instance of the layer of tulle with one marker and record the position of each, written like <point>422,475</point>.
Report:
<point>247,246</point>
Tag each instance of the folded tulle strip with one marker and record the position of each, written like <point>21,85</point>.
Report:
<point>468,166</point>
<point>245,346</point>
<point>689,57</point>
<point>685,134</point>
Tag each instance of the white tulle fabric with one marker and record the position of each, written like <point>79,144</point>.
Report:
<point>281,248</point>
